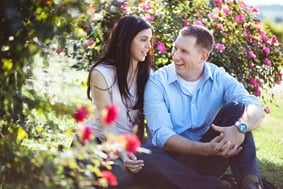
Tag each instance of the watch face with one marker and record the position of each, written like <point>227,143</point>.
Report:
<point>242,127</point>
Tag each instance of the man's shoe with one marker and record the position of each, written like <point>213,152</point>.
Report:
<point>226,185</point>
<point>231,180</point>
<point>251,182</point>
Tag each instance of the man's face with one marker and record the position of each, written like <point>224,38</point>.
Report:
<point>188,58</point>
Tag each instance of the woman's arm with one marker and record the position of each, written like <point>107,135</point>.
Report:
<point>99,90</point>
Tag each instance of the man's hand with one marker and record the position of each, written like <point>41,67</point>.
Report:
<point>228,143</point>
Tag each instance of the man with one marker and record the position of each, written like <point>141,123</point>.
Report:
<point>199,121</point>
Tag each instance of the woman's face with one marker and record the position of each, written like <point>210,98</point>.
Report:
<point>141,45</point>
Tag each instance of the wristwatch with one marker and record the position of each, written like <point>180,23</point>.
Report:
<point>242,127</point>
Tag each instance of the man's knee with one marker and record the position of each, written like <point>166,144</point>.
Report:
<point>229,114</point>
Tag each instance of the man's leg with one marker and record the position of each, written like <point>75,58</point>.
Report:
<point>244,163</point>
<point>162,171</point>
<point>216,165</point>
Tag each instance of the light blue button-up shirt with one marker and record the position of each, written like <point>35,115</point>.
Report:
<point>170,109</point>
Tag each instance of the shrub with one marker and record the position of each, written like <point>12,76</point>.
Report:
<point>244,46</point>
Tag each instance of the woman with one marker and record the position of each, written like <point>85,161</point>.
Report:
<point>119,77</point>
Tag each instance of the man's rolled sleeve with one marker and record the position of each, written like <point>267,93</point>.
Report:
<point>235,91</point>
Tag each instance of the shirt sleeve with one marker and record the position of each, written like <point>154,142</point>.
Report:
<point>156,112</point>
<point>235,91</point>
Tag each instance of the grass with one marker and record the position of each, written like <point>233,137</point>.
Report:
<point>269,144</point>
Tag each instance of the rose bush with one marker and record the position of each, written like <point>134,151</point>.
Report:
<point>244,47</point>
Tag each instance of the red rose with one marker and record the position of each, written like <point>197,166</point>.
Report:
<point>132,142</point>
<point>81,113</point>
<point>110,177</point>
<point>110,114</point>
<point>85,133</point>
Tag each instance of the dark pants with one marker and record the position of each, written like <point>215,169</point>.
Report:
<point>176,171</point>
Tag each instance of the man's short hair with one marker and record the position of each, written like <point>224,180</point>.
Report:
<point>203,36</point>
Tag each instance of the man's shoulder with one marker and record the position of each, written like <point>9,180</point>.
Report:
<point>164,74</point>
<point>215,68</point>
<point>215,71</point>
<point>164,70</point>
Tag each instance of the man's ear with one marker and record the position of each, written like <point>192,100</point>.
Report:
<point>204,55</point>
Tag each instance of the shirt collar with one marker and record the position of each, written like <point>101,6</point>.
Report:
<point>172,77</point>
<point>207,71</point>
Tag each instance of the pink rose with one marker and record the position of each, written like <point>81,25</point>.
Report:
<point>251,54</point>
<point>219,46</point>
<point>90,42</point>
<point>267,62</point>
<point>239,18</point>
<point>161,47</point>
<point>267,110</point>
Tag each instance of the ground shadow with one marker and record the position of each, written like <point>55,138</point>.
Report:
<point>271,172</point>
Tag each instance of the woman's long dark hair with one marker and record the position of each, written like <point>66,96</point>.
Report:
<point>118,54</point>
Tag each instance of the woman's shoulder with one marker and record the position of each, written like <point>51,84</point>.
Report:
<point>104,68</point>
<point>102,73</point>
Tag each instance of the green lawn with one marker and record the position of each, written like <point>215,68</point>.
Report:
<point>269,143</point>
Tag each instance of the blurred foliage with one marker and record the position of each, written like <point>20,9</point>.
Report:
<point>275,28</point>
<point>246,48</point>
<point>79,167</point>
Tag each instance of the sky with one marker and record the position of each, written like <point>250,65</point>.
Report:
<point>264,2</point>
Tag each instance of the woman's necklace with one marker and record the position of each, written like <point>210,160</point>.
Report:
<point>131,81</point>
<point>130,120</point>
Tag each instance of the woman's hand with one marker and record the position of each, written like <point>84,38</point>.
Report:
<point>132,163</point>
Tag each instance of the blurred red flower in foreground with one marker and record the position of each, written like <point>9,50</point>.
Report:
<point>81,113</point>
<point>110,177</point>
<point>110,114</point>
<point>132,142</point>
<point>85,133</point>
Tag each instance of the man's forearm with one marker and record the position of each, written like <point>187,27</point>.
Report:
<point>253,116</point>
<point>179,144</point>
